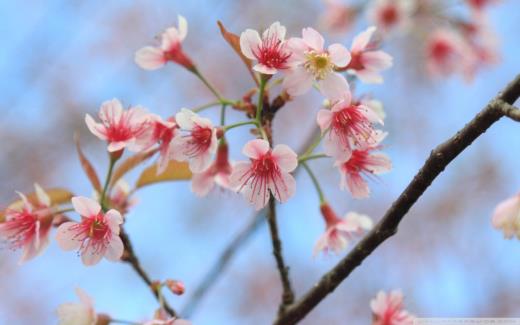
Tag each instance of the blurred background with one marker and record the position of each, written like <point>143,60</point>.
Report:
<point>61,59</point>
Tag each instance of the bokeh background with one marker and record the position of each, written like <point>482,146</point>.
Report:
<point>60,59</point>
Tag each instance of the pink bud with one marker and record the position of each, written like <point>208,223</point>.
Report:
<point>176,287</point>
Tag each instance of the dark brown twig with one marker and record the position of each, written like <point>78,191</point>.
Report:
<point>510,111</point>
<point>439,158</point>
<point>130,257</point>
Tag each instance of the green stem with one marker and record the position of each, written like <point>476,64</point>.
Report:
<point>310,157</point>
<point>107,181</point>
<point>234,125</point>
<point>260,106</point>
<point>209,85</point>
<point>313,145</point>
<point>315,182</point>
<point>223,114</point>
<point>203,107</point>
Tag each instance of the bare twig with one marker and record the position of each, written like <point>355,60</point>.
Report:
<point>439,158</point>
<point>283,270</point>
<point>510,111</point>
<point>222,262</point>
<point>132,259</point>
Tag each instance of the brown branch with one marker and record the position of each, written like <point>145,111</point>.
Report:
<point>510,111</point>
<point>439,158</point>
<point>283,270</point>
<point>130,257</point>
<point>222,262</point>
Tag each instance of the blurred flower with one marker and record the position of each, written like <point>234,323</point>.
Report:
<point>340,231</point>
<point>151,58</point>
<point>270,51</point>
<point>81,313</point>
<point>338,17</point>
<point>506,217</point>
<point>347,125</point>
<point>218,172</point>
<point>375,105</point>
<point>162,318</point>
<point>361,163</point>
<point>312,62</point>
<point>119,197</point>
<point>28,227</point>
<point>387,309</point>
<point>198,145</point>
<point>267,171</point>
<point>97,234</point>
<point>367,62</point>
<point>479,5</point>
<point>390,14</point>
<point>118,127</point>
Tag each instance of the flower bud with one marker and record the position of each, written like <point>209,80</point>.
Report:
<point>176,287</point>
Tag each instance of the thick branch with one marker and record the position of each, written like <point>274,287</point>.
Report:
<point>283,270</point>
<point>439,158</point>
<point>132,259</point>
<point>222,262</point>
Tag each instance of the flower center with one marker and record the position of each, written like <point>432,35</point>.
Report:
<point>351,124</point>
<point>271,53</point>
<point>319,64</point>
<point>20,229</point>
<point>441,50</point>
<point>389,15</point>
<point>200,140</point>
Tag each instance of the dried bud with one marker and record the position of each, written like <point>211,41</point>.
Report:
<point>103,319</point>
<point>176,287</point>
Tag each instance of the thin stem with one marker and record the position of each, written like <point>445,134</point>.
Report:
<point>283,270</point>
<point>310,157</point>
<point>313,145</point>
<point>107,181</point>
<point>235,125</point>
<point>209,85</point>
<point>314,181</point>
<point>203,107</point>
<point>260,106</point>
<point>223,114</point>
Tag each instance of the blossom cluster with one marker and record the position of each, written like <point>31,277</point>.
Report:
<point>451,43</point>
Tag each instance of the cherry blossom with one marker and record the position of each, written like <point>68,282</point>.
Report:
<point>218,172</point>
<point>506,217</point>
<point>339,231</point>
<point>361,163</point>
<point>161,132</point>
<point>367,62</point>
<point>388,309</point>
<point>347,125</point>
<point>267,171</point>
<point>338,17</point>
<point>270,51</point>
<point>120,197</point>
<point>199,142</point>
<point>81,313</point>
<point>96,236</point>
<point>28,226</point>
<point>120,128</point>
<point>390,14</point>
<point>152,58</point>
<point>312,62</point>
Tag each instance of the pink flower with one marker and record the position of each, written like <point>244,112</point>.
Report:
<point>198,145</point>
<point>161,132</point>
<point>97,234</point>
<point>387,309</point>
<point>506,217</point>
<point>267,171</point>
<point>270,51</point>
<point>340,231</point>
<point>120,197</point>
<point>118,127</point>
<point>390,14</point>
<point>28,227</point>
<point>338,17</point>
<point>347,125</point>
<point>448,53</point>
<point>311,62</point>
<point>367,62</point>
<point>218,172</point>
<point>151,58</point>
<point>361,163</point>
<point>82,313</point>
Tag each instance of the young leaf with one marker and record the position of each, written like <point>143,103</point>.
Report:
<point>176,171</point>
<point>234,41</point>
<point>87,167</point>
<point>130,164</point>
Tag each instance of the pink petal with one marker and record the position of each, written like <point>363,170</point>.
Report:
<point>202,183</point>
<point>84,297</point>
<point>186,119</point>
<point>85,206</point>
<point>357,186</point>
<point>376,60</point>
<point>298,48</point>
<point>379,163</point>
<point>238,176</point>
<point>361,41</point>
<point>115,249</point>
<point>256,148</point>
<point>170,39</point>
<point>256,196</point>
<point>42,196</point>
<point>369,76</point>
<point>360,220</point>
<point>339,55</point>
<point>313,39</point>
<point>506,210</point>
<point>321,244</point>
<point>324,119</point>
<point>111,111</point>
<point>201,162</point>
<point>96,128</point>
<point>91,256</point>
<point>283,188</point>
<point>334,148</point>
<point>150,58</point>
<point>264,69</point>
<point>66,237</point>
<point>333,86</point>
<point>116,146</point>
<point>276,30</point>
<point>286,158</point>
<point>182,27</point>
<point>297,81</point>
<point>114,219</point>
<point>249,43</point>
<point>344,101</point>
